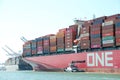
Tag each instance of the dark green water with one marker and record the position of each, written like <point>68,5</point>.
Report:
<point>30,75</point>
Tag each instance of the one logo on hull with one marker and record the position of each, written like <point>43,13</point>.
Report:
<point>104,59</point>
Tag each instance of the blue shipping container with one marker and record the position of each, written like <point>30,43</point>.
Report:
<point>99,21</point>
<point>39,39</point>
<point>95,35</point>
<point>118,17</point>
<point>46,38</point>
<point>117,24</point>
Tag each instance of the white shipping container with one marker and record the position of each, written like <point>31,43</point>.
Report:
<point>84,35</point>
<point>108,41</point>
<point>107,23</point>
<point>68,37</point>
<point>68,34</point>
<point>68,49</point>
<point>52,37</point>
<point>40,52</point>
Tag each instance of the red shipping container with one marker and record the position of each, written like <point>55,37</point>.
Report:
<point>95,43</point>
<point>96,46</point>
<point>117,43</point>
<point>107,34</point>
<point>95,39</point>
<point>117,35</point>
<point>46,44</point>
<point>60,46</point>
<point>117,32</point>
<point>85,47</point>
<point>108,27</point>
<point>85,43</point>
<point>112,17</point>
<point>53,44</point>
<point>95,32</point>
<point>108,45</point>
<point>118,40</point>
<point>39,50</point>
<point>117,28</point>
<point>107,31</point>
<point>95,29</point>
<point>34,52</point>
<point>39,43</point>
<point>74,27</point>
<point>85,38</point>
<point>88,23</point>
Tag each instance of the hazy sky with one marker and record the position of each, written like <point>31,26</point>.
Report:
<point>35,18</point>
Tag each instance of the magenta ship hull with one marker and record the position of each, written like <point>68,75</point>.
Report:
<point>102,61</point>
<point>96,41</point>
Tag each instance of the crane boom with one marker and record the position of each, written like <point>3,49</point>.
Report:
<point>23,39</point>
<point>7,52</point>
<point>12,51</point>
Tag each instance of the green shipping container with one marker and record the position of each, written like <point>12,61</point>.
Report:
<point>60,50</point>
<point>108,38</point>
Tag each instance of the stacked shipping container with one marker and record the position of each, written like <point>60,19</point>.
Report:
<point>39,45</point>
<point>117,32</point>
<point>46,45</point>
<point>69,38</point>
<point>108,32</point>
<point>75,30</point>
<point>27,49</point>
<point>84,37</point>
<point>53,45</point>
<point>98,33</point>
<point>95,31</point>
<point>34,47</point>
<point>61,40</point>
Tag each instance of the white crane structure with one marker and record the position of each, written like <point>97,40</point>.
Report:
<point>12,53</point>
<point>23,39</point>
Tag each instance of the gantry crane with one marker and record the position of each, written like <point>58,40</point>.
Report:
<point>23,39</point>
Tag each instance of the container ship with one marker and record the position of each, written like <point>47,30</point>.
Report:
<point>91,45</point>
